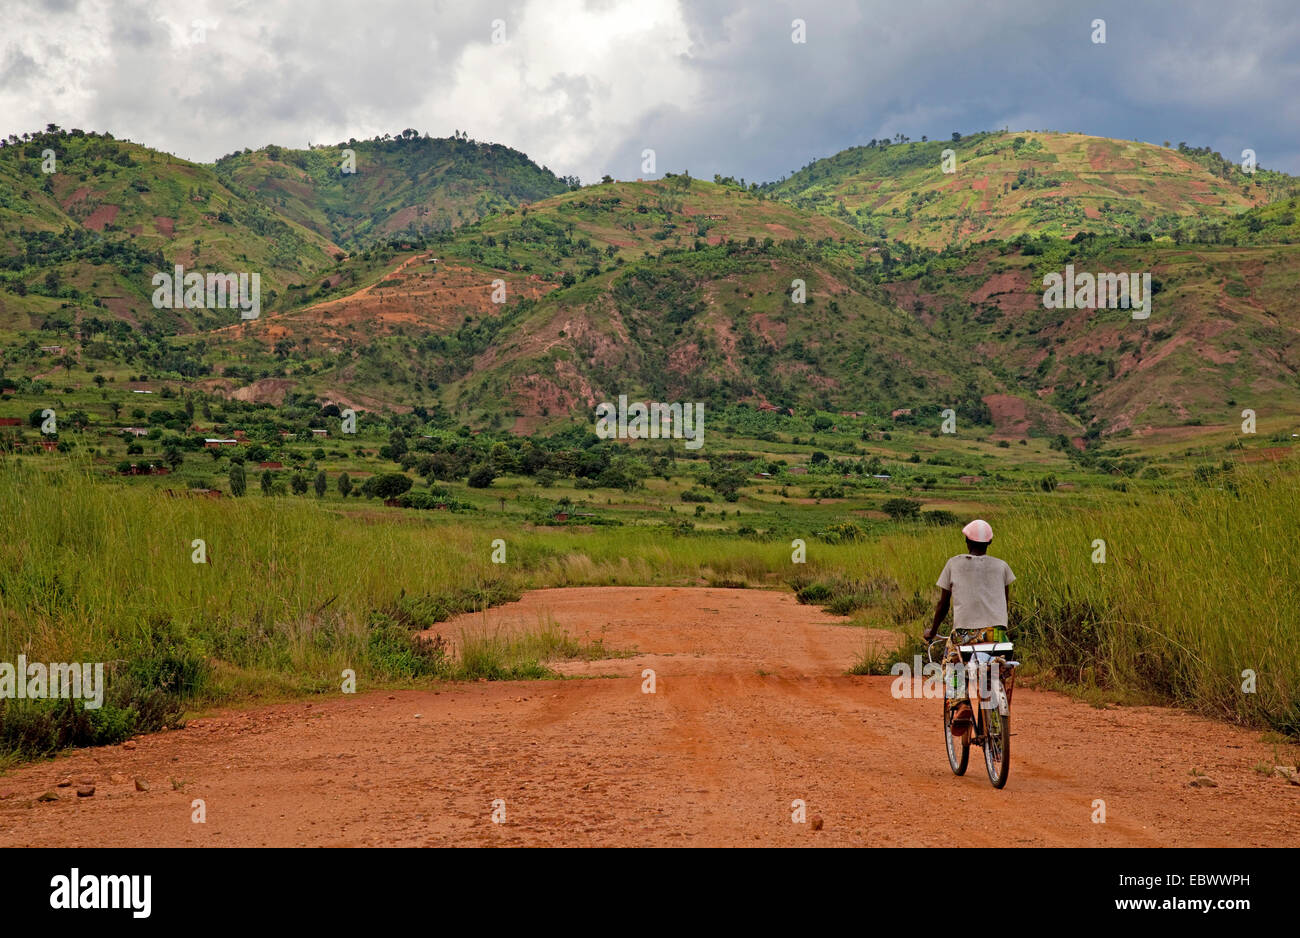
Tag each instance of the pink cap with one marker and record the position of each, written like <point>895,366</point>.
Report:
<point>978,531</point>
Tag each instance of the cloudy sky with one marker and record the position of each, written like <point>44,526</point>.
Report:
<point>583,86</point>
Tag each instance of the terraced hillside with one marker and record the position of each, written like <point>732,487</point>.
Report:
<point>715,325</point>
<point>1223,334</point>
<point>1006,184</point>
<point>90,235</point>
<point>421,325</point>
<point>588,314</point>
<point>668,289</point>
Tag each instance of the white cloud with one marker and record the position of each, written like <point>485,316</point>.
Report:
<point>569,79</point>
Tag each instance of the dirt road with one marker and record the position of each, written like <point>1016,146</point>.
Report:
<point>752,710</point>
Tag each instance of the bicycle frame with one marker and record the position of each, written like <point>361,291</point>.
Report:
<point>982,663</point>
<point>984,666</point>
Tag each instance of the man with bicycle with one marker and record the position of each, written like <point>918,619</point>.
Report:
<point>978,588</point>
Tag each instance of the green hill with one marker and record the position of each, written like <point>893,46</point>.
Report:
<point>1006,184</point>
<point>85,240</point>
<point>90,235</point>
<point>682,289</point>
<point>422,324</point>
<point>356,192</point>
<point>641,298</point>
<point>1223,333</point>
<point>673,289</point>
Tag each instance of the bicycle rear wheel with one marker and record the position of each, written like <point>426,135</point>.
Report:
<point>958,746</point>
<point>997,742</point>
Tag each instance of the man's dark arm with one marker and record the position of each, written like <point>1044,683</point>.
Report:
<point>940,613</point>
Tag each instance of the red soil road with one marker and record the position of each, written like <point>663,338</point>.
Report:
<point>752,711</point>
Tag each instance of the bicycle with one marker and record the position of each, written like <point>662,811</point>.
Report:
<point>994,673</point>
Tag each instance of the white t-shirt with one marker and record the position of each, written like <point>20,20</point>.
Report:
<point>978,585</point>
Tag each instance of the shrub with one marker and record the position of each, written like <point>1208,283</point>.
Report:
<point>388,485</point>
<point>940,517</point>
<point>164,657</point>
<point>902,509</point>
<point>34,728</point>
<point>396,651</point>
<point>842,595</point>
<point>846,531</point>
<point>481,476</point>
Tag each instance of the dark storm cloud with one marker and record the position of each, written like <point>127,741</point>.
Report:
<point>1204,73</point>
<point>17,69</point>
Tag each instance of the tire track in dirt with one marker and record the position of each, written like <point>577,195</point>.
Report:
<point>752,710</point>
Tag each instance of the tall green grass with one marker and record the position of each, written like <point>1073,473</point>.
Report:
<point>1198,587</point>
<point>293,593</point>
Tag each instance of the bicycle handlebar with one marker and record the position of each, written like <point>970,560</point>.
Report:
<point>929,649</point>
